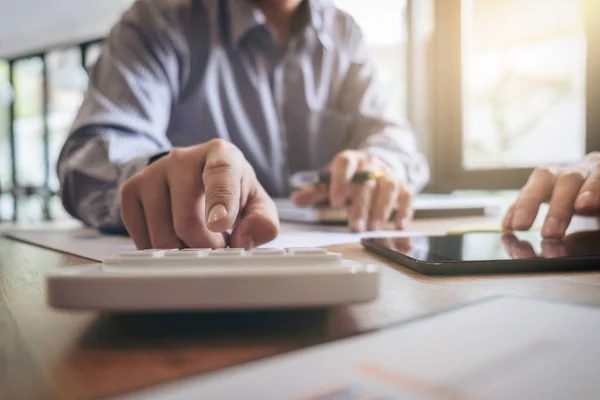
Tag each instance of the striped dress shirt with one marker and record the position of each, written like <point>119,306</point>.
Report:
<point>176,73</point>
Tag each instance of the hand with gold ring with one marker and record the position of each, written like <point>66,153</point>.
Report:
<point>370,201</point>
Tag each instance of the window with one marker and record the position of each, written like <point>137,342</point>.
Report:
<point>384,26</point>
<point>5,159</point>
<point>67,83</point>
<point>513,82</point>
<point>92,52</point>
<point>28,126</point>
<point>523,83</point>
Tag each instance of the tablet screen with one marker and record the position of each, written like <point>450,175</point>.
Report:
<point>492,246</point>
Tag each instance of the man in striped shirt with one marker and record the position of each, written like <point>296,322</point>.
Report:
<point>198,111</point>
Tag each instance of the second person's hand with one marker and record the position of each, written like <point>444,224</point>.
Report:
<point>193,196</point>
<point>572,190</point>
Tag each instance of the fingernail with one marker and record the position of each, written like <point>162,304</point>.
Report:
<point>218,212</point>
<point>585,200</point>
<point>250,243</point>
<point>403,223</point>
<point>520,219</point>
<point>359,225</point>
<point>553,227</point>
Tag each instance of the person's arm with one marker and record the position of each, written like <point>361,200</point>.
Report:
<point>123,119</point>
<point>379,142</point>
<point>377,128</point>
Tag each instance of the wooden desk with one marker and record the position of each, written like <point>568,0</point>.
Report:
<point>46,353</point>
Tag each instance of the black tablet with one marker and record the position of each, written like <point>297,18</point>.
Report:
<point>491,253</point>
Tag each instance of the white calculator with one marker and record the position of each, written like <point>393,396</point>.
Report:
<point>221,279</point>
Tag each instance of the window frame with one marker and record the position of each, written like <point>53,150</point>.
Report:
<point>592,15</point>
<point>445,130</point>
<point>16,189</point>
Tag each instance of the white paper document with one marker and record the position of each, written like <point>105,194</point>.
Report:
<point>89,243</point>
<point>500,349</point>
<point>296,235</point>
<point>82,242</point>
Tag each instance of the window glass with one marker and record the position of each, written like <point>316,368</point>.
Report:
<point>383,23</point>
<point>523,83</point>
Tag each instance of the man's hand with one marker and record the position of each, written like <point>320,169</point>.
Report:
<point>192,196</point>
<point>569,191</point>
<point>371,203</point>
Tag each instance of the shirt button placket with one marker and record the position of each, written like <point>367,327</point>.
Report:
<point>293,92</point>
<point>283,172</point>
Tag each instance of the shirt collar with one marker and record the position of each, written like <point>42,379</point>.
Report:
<point>319,20</point>
<point>245,16</point>
<point>315,8</point>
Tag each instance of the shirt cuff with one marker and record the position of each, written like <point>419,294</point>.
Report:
<point>157,157</point>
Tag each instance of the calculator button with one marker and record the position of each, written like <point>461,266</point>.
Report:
<point>307,251</point>
<point>267,252</point>
<point>187,253</point>
<point>205,249</point>
<point>227,252</point>
<point>150,253</point>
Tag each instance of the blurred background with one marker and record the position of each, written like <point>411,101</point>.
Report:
<point>493,88</point>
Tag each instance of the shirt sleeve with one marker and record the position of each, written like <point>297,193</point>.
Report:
<point>123,119</point>
<point>377,128</point>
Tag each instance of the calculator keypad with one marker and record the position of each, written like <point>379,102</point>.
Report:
<point>307,251</point>
<point>227,252</point>
<point>222,258</point>
<point>187,253</point>
<point>267,252</point>
<point>150,253</point>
